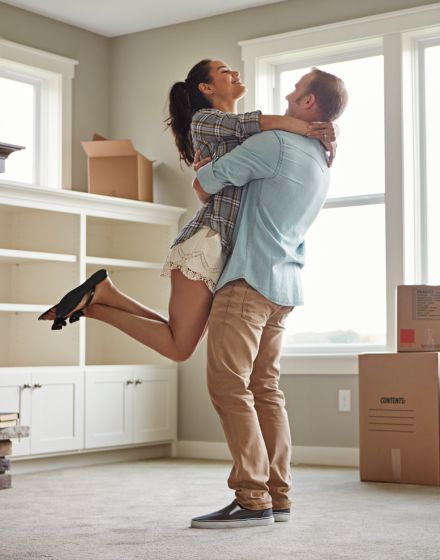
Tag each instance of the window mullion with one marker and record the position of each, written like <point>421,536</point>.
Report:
<point>360,200</point>
<point>394,177</point>
<point>420,187</point>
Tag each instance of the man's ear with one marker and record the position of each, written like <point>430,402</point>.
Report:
<point>206,89</point>
<point>310,101</point>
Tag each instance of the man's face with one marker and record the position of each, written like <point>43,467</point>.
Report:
<point>296,99</point>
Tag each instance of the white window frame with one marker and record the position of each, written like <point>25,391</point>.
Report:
<point>36,83</point>
<point>53,75</point>
<point>398,35</point>
<point>421,42</point>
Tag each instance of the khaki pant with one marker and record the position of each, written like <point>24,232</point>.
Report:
<point>244,347</point>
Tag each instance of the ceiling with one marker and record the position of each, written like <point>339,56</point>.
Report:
<point>115,17</point>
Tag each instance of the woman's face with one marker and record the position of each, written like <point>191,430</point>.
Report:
<point>225,83</point>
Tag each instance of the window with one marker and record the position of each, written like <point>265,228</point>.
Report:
<point>36,112</point>
<point>18,125</point>
<point>379,227</point>
<point>344,279</point>
<point>431,224</point>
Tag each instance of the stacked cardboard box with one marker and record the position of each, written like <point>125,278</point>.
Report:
<point>399,396</point>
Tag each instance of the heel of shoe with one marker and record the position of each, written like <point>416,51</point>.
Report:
<point>76,316</point>
<point>58,324</point>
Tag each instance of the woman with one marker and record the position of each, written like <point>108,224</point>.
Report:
<point>203,117</point>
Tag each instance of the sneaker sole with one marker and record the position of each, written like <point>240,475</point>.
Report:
<point>232,524</point>
<point>281,517</point>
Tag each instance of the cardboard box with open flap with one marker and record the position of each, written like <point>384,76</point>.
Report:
<point>115,168</point>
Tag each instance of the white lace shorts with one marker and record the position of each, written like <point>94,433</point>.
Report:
<point>199,258</point>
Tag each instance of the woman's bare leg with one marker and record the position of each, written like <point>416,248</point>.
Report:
<point>107,293</point>
<point>189,308</point>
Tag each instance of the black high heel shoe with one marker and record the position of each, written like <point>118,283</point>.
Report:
<point>73,298</point>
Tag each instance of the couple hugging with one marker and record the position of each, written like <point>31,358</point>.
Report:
<point>236,266</point>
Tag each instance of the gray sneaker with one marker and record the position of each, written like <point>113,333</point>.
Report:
<point>234,515</point>
<point>281,514</point>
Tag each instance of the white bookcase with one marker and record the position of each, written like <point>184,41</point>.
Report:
<point>87,385</point>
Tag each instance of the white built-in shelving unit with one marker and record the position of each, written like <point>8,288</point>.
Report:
<point>87,385</point>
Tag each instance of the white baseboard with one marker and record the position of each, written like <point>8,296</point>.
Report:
<point>217,451</point>
<point>301,455</point>
<point>203,450</point>
<point>85,458</point>
<point>326,456</point>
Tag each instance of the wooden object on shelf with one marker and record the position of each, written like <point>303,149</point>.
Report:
<point>5,151</point>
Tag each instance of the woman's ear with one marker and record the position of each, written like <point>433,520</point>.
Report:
<point>206,89</point>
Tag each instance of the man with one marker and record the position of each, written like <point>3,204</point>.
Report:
<point>288,181</point>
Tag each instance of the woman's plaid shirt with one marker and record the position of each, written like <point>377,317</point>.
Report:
<point>215,133</point>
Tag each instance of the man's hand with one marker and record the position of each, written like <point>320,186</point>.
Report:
<point>197,164</point>
<point>200,193</point>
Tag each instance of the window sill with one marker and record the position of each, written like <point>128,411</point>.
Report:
<point>319,364</point>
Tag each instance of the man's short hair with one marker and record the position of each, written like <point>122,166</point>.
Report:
<point>330,94</point>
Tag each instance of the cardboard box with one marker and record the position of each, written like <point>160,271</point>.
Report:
<point>418,318</point>
<point>399,436</point>
<point>115,168</point>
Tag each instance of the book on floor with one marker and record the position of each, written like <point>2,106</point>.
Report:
<point>9,416</point>
<point>5,447</point>
<point>6,423</point>
<point>5,481</point>
<point>6,416</point>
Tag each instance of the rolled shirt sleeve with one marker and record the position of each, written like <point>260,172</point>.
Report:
<point>257,158</point>
<point>212,125</point>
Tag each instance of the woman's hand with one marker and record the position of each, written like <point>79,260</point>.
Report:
<point>331,151</point>
<point>324,131</point>
<point>200,193</point>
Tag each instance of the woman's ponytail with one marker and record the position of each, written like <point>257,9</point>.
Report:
<point>185,99</point>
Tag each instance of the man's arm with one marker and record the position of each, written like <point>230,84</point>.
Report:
<point>257,158</point>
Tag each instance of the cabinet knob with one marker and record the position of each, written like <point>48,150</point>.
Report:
<point>138,381</point>
<point>27,386</point>
<point>37,386</point>
<point>130,382</point>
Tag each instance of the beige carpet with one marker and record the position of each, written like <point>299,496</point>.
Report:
<point>142,510</point>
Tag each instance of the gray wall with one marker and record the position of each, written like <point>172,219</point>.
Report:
<point>91,91</point>
<point>121,87</point>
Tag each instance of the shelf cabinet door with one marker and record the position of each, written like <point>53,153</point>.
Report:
<point>109,415</point>
<point>15,397</point>
<point>57,411</point>
<point>155,406</point>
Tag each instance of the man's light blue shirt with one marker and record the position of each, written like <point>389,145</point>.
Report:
<point>286,178</point>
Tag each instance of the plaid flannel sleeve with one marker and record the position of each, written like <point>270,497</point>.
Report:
<point>211,125</point>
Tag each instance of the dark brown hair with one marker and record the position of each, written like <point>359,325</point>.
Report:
<point>330,94</point>
<point>185,99</point>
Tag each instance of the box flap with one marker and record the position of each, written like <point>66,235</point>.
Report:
<point>109,148</point>
<point>97,136</point>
